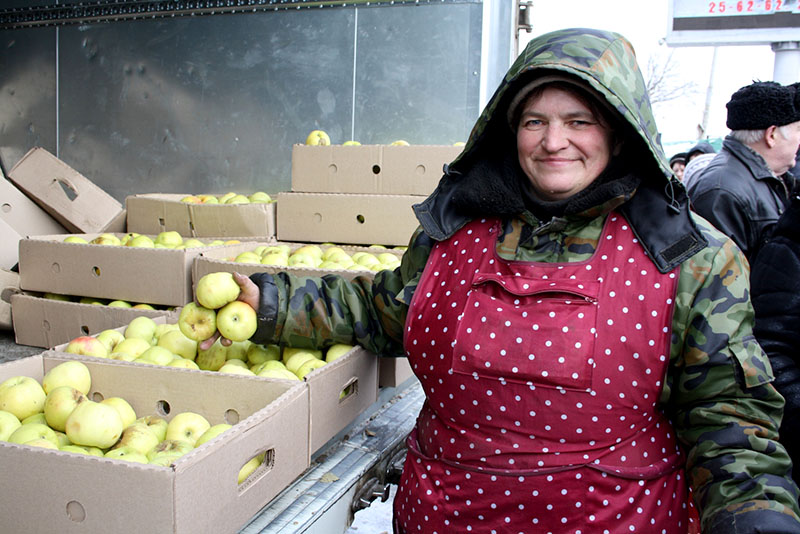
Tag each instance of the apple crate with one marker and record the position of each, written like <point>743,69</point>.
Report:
<point>72,493</point>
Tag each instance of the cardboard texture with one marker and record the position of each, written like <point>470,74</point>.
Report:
<point>150,275</point>
<point>212,261</point>
<point>9,286</point>
<point>71,198</point>
<point>9,245</point>
<point>347,218</point>
<point>393,371</point>
<point>47,323</point>
<point>23,214</point>
<point>198,494</point>
<point>154,213</point>
<point>370,169</point>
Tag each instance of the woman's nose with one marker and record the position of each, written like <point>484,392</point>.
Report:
<point>554,138</point>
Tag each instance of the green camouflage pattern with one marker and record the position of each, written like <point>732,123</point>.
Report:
<point>717,390</point>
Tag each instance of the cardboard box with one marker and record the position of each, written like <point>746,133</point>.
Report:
<point>9,286</point>
<point>198,494</point>
<point>154,213</point>
<point>393,371</point>
<point>347,218</point>
<point>370,169</point>
<point>71,198</point>
<point>151,275</point>
<point>212,261</point>
<point>9,245</point>
<point>42,322</point>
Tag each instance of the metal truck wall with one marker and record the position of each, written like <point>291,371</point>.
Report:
<point>214,103</point>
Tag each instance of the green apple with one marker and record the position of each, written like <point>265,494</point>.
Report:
<point>238,350</point>
<point>158,425</point>
<point>78,449</point>
<point>318,137</point>
<point>215,290</point>
<point>142,327</point>
<point>197,322</point>
<point>233,369</point>
<point>23,396</point>
<point>31,431</point>
<point>155,355</point>
<point>269,364</point>
<point>260,197</point>
<point>59,404</point>
<point>237,321</point>
<point>169,448</point>
<point>238,199</point>
<point>62,439</point>
<point>314,251</point>
<point>308,366</point>
<point>142,306</point>
<point>94,424</point>
<point>141,241</point>
<point>212,358</point>
<point>235,362</point>
<point>399,142</point>
<point>8,424</point>
<point>192,242</point>
<point>227,196</point>
<point>72,373</point>
<point>56,296</point>
<point>129,454</point>
<point>212,432</point>
<point>123,407</point>
<point>247,256</point>
<point>177,343</point>
<point>351,143</point>
<point>275,258</point>
<point>169,239</point>
<point>106,239</point>
<point>297,359</point>
<point>261,353</point>
<point>127,237</point>
<point>187,426</point>
<point>110,338</point>
<point>35,418</point>
<point>120,304</point>
<point>42,442</point>
<point>288,352</point>
<point>92,301</point>
<point>132,346</point>
<point>208,199</point>
<point>138,437</point>
<point>283,374</point>
<point>337,350</point>
<point>75,239</point>
<point>249,467</point>
<point>87,346</point>
<point>163,328</point>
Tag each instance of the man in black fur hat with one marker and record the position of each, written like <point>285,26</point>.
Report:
<point>747,186</point>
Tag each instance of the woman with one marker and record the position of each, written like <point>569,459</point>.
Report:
<point>584,342</point>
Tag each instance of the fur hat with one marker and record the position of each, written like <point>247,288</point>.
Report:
<point>763,104</point>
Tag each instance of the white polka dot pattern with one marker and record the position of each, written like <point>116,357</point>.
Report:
<point>542,382</point>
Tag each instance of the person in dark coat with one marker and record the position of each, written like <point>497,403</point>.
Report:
<point>775,291</point>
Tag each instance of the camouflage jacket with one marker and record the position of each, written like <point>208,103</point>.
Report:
<point>717,391</point>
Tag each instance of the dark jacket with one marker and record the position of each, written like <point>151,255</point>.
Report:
<point>775,290</point>
<point>739,195</point>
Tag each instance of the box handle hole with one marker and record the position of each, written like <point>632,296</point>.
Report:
<point>255,468</point>
<point>350,389</point>
<point>68,188</point>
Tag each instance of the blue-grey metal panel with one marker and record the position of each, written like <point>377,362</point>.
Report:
<point>27,92</point>
<point>206,104</point>
<point>417,73</point>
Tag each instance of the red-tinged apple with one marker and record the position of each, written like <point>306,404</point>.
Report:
<point>212,432</point>
<point>155,355</point>
<point>8,424</point>
<point>260,197</point>
<point>123,407</point>
<point>23,396</point>
<point>308,366</point>
<point>33,431</point>
<point>120,304</point>
<point>41,442</point>
<point>157,424</point>
<point>94,424</point>
<point>142,327</point>
<point>197,322</point>
<point>249,467</point>
<point>110,338</point>
<point>212,358</point>
<point>183,363</point>
<point>336,351</point>
<point>233,369</point>
<point>187,426</point>
<point>215,290</point>
<point>87,346</point>
<point>283,374</point>
<point>191,199</point>
<point>138,437</point>
<point>59,404</point>
<point>261,353</point>
<point>318,137</point>
<point>177,343</point>
<point>237,321</point>
<point>128,454</point>
<point>133,346</point>
<point>73,373</point>
<point>169,238</point>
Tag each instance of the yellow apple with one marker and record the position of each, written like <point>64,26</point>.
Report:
<point>260,197</point>
<point>269,364</point>
<point>129,454</point>
<point>138,436</point>
<point>275,258</point>
<point>72,373</point>
<point>41,442</point>
<point>197,322</point>
<point>94,424</point>
<point>155,355</point>
<point>132,346</point>
<point>106,239</point>
<point>238,199</point>
<point>233,369</point>
<point>192,243</point>
<point>224,198</point>
<point>87,346</point>
<point>212,432</point>
<point>351,143</point>
<point>308,366</point>
<point>59,404</point>
<point>75,239</point>
<point>158,425</point>
<point>142,327</point>
<point>400,142</point>
<point>289,351</point>
<point>283,374</point>
<point>261,353</point>
<point>143,306</point>
<point>187,426</point>
<point>191,199</point>
<point>23,396</point>
<point>249,467</point>
<point>123,407</point>
<point>237,321</point>
<point>337,350</point>
<point>31,431</point>
<point>169,448</point>
<point>169,238</point>
<point>208,199</point>
<point>8,424</point>
<point>177,343</point>
<point>318,137</point>
<point>247,256</point>
<point>141,241</point>
<point>297,359</point>
<point>212,358</point>
<point>35,418</point>
<point>183,363</point>
<point>214,290</point>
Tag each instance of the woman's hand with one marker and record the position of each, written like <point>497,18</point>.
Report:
<point>249,294</point>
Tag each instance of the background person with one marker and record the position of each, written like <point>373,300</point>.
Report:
<point>584,342</point>
<point>678,163</point>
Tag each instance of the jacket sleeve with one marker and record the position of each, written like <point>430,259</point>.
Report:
<point>316,312</point>
<point>775,286</point>
<point>724,407</point>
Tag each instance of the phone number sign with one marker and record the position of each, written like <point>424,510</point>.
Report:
<point>732,22</point>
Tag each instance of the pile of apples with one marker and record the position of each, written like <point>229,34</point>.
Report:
<point>166,239</point>
<point>314,256</point>
<point>259,197</point>
<point>104,302</point>
<point>321,138</point>
<point>57,414</point>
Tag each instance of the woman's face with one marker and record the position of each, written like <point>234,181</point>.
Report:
<point>562,145</point>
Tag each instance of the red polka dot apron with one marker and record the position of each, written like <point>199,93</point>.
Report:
<point>542,382</point>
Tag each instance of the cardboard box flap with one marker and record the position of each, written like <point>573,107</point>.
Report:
<point>71,198</point>
<point>23,214</point>
<point>9,286</point>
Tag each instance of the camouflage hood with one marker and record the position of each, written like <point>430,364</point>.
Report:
<point>604,60</point>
